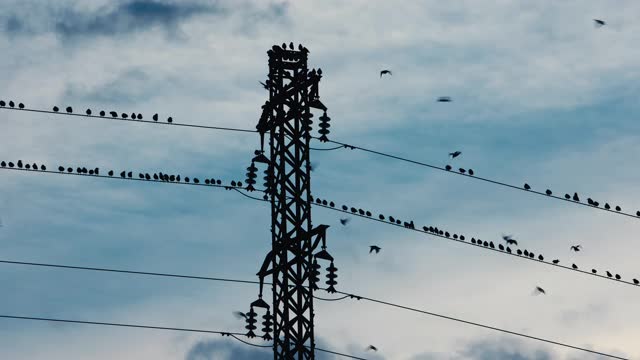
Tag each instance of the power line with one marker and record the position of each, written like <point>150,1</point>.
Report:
<point>132,120</point>
<point>231,334</point>
<point>441,236</point>
<point>343,145</point>
<point>495,182</point>
<point>345,295</point>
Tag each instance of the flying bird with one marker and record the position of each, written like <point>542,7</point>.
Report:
<point>576,248</point>
<point>455,154</point>
<point>344,221</point>
<point>444,99</point>
<point>371,347</point>
<point>509,240</point>
<point>264,85</point>
<point>599,23</point>
<point>373,248</point>
<point>240,314</point>
<point>385,72</point>
<point>540,290</point>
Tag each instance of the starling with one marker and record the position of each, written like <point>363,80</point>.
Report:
<point>373,248</point>
<point>69,109</point>
<point>383,72</point>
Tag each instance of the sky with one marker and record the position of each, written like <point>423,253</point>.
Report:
<point>539,94</point>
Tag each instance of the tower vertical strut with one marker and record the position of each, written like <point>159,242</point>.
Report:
<point>286,119</point>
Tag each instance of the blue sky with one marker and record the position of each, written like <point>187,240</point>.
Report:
<point>540,96</point>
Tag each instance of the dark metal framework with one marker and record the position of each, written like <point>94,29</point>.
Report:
<point>286,118</point>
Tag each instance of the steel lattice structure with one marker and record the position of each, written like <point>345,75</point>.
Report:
<point>286,119</point>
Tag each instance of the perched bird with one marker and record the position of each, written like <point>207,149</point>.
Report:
<point>635,281</point>
<point>462,171</point>
<point>110,172</point>
<point>574,266</point>
<point>556,261</point>
<point>607,206</point>
<point>618,277</point>
<point>527,187</point>
<point>618,208</point>
<point>113,114</point>
<point>471,172</point>
<point>139,116</point>
<point>155,117</point>
<point>102,113</point>
<point>509,240</point>
<point>55,109</point>
<point>21,106</point>
<point>509,250</point>
<point>501,247</point>
<point>448,168</point>
<point>373,248</point>
<point>540,290</point>
<point>2,103</point>
<point>19,164</point>
<point>170,119</point>
<point>371,347</point>
<point>11,104</point>
<point>575,197</point>
<point>455,154</point>
<point>519,252</point>
<point>540,257</point>
<point>576,248</point>
<point>385,72</point>
<point>599,23</point>
<point>344,221</point>
<point>69,109</point>
<point>567,196</point>
<point>594,271</point>
<point>124,116</point>
<point>88,112</point>
<point>491,245</point>
<point>444,99</point>
<point>548,192</point>
<point>609,274</point>
<point>526,253</point>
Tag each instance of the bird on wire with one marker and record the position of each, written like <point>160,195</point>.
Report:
<point>383,72</point>
<point>373,248</point>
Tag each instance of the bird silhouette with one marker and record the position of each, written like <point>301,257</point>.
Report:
<point>455,154</point>
<point>373,248</point>
<point>385,72</point>
<point>567,196</point>
<point>344,221</point>
<point>113,114</point>
<point>574,266</point>
<point>618,208</point>
<point>509,250</point>
<point>548,192</point>
<point>540,257</point>
<point>607,206</point>
<point>69,109</point>
<point>55,109</point>
<point>124,116</point>
<point>509,240</point>
<point>519,252</point>
<point>635,281</point>
<point>609,274</point>
<point>2,103</point>
<point>102,113</point>
<point>527,187</point>
<point>444,99</point>
<point>575,197</point>
<point>371,347</point>
<point>170,119</point>
<point>12,104</point>
<point>21,106</point>
<point>448,167</point>
<point>240,314</point>
<point>501,247</point>
<point>594,271</point>
<point>462,171</point>
<point>618,277</point>
<point>88,112</point>
<point>576,248</point>
<point>471,172</point>
<point>556,261</point>
<point>110,172</point>
<point>155,117</point>
<point>540,290</point>
<point>599,23</point>
<point>264,85</point>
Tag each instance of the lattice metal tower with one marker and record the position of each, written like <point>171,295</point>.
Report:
<point>286,119</point>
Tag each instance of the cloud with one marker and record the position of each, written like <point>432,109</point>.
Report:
<point>226,350</point>
<point>491,350</point>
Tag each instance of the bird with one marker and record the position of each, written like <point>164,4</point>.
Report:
<point>448,168</point>
<point>575,197</point>
<point>540,257</point>
<point>574,266</point>
<point>462,171</point>
<point>113,114</point>
<point>607,206</point>
<point>527,187</point>
<point>21,106</point>
<point>556,261</point>
<point>635,281</point>
<point>540,290</point>
<point>2,103</point>
<point>594,271</point>
<point>240,314</point>
<point>501,247</point>
<point>102,113</point>
<point>455,154</point>
<point>313,166</point>
<point>519,252</point>
<point>55,109</point>
<point>264,85</point>
<point>124,116</point>
<point>344,221</point>
<point>509,250</point>
<point>470,172</point>
<point>548,192</point>
<point>618,277</point>
<point>509,240</point>
<point>618,208</point>
<point>599,23</point>
<point>444,99</point>
<point>576,248</point>
<point>373,248</point>
<point>371,347</point>
<point>609,274</point>
<point>170,119</point>
<point>155,117</point>
<point>110,172</point>
<point>139,116</point>
<point>11,104</point>
<point>69,109</point>
<point>385,72</point>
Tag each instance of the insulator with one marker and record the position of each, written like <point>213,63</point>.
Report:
<point>324,127</point>
<point>251,175</point>
<point>267,323</point>
<point>314,276</point>
<point>307,122</point>
<point>331,275</point>
<point>251,320</point>
<point>268,180</point>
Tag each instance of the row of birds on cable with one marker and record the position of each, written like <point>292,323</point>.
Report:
<point>508,239</point>
<point>123,174</point>
<point>11,104</point>
<point>114,114</point>
<point>527,187</point>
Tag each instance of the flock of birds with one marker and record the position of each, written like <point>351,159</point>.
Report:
<point>159,176</point>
